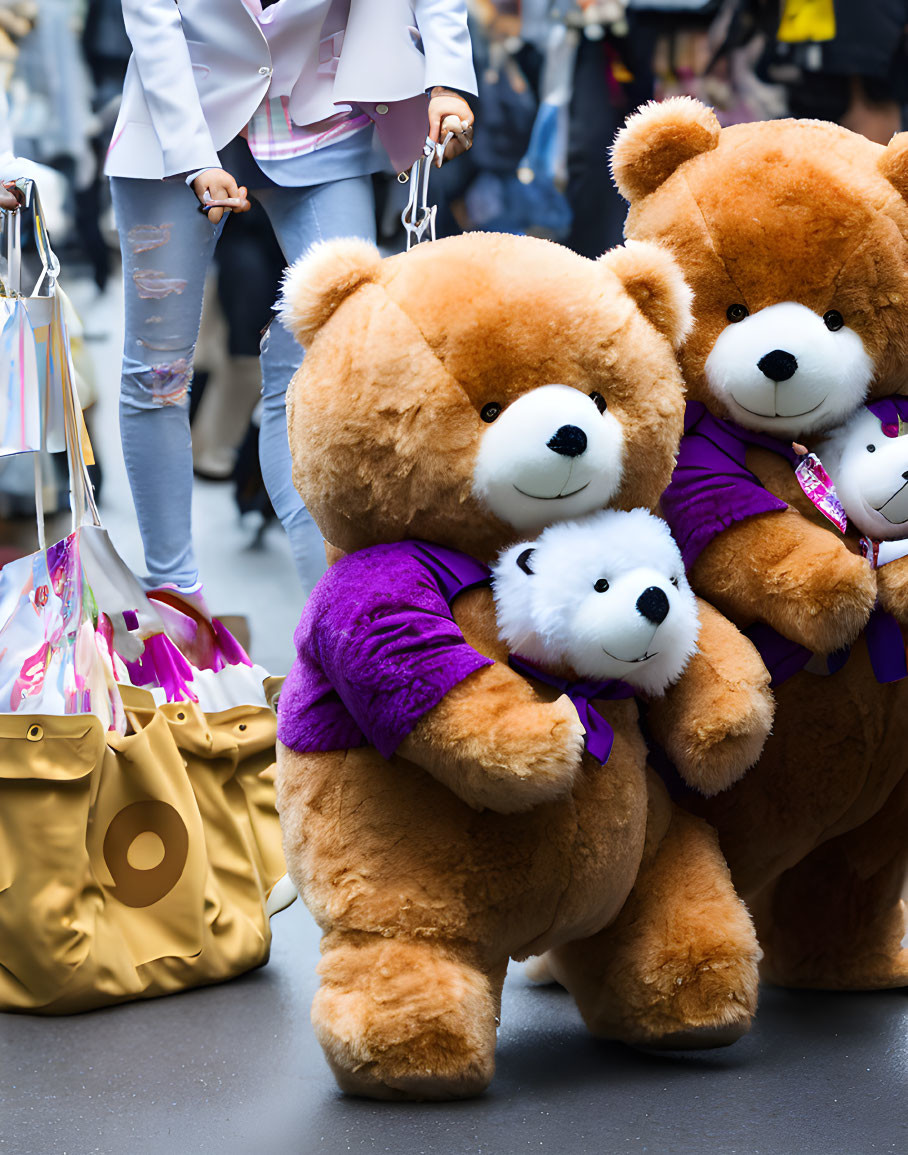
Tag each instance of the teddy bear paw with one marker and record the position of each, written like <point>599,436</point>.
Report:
<point>405,1020</point>
<point>828,612</point>
<point>551,758</point>
<point>692,1006</point>
<point>711,753</point>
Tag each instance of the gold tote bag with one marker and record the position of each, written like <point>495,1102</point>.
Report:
<point>133,865</point>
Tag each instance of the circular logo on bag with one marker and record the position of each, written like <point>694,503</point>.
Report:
<point>145,848</point>
<point>41,595</point>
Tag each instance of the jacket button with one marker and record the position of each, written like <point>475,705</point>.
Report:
<point>263,71</point>
<point>381,109</point>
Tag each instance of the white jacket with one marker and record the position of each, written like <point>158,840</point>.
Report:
<point>200,69</point>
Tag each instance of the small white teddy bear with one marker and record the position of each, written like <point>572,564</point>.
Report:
<point>867,460</point>
<point>602,597</point>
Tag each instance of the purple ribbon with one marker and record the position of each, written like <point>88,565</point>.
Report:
<point>886,647</point>
<point>888,411</point>
<point>882,634</point>
<point>599,734</point>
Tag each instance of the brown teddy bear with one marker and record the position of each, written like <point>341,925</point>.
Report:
<point>794,238</point>
<point>439,813</point>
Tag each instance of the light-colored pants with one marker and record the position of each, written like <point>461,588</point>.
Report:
<point>167,246</point>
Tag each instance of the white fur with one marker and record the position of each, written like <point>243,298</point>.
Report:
<point>555,616</point>
<point>872,486</point>
<point>832,377</point>
<point>527,484</point>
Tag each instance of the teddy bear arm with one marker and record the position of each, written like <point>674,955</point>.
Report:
<point>892,588</point>
<point>496,745</point>
<point>714,721</point>
<point>798,577</point>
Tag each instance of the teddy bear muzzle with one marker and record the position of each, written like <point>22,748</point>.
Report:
<point>552,453</point>
<point>786,370</point>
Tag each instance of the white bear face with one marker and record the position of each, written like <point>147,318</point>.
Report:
<point>605,595</point>
<point>870,473</point>
<point>552,454</point>
<point>787,371</point>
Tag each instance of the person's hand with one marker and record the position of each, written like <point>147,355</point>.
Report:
<point>9,198</point>
<point>449,112</point>
<point>216,187</point>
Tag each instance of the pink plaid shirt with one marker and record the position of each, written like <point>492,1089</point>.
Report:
<point>271,133</point>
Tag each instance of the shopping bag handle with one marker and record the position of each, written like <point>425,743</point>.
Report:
<point>418,217</point>
<point>50,264</point>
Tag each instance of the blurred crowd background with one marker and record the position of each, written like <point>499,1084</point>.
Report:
<point>556,79</point>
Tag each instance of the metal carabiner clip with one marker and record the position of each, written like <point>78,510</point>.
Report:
<point>418,217</point>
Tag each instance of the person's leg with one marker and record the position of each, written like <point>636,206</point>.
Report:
<point>166,246</point>
<point>301,217</point>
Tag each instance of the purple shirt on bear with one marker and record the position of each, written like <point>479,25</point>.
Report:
<point>377,648</point>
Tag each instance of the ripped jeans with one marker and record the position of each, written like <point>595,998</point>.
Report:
<point>167,246</point>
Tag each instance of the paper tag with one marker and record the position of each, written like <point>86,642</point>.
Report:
<point>882,552</point>
<point>818,487</point>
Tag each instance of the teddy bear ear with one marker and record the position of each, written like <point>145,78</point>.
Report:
<point>652,278</point>
<point>657,139</point>
<point>318,283</point>
<point>894,163</point>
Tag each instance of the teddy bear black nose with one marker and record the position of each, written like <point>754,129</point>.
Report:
<point>653,604</point>
<point>778,365</point>
<point>569,441</point>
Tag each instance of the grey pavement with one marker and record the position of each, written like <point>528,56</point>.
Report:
<point>235,1069</point>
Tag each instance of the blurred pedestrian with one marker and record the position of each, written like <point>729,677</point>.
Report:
<point>842,60</point>
<point>279,100</point>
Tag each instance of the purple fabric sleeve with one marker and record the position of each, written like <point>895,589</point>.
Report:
<point>377,648</point>
<point>711,487</point>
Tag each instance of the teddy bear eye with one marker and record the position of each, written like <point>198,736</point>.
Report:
<point>674,582</point>
<point>871,449</point>
<point>490,412</point>
<point>737,313</point>
<point>599,401</point>
<point>833,320</point>
<point>600,586</point>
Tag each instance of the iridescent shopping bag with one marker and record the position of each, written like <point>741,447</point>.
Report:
<point>33,359</point>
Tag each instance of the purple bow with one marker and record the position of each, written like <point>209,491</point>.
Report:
<point>888,411</point>
<point>599,734</point>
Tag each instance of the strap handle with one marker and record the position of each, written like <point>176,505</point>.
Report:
<point>50,265</point>
<point>418,217</point>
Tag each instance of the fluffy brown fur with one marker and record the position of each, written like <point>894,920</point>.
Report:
<point>810,213</point>
<point>489,834</point>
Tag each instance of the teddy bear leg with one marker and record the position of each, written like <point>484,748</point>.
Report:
<point>406,1018</point>
<point>836,921</point>
<point>678,967</point>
